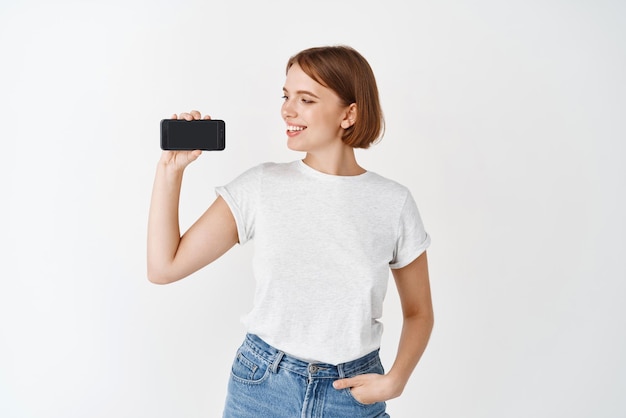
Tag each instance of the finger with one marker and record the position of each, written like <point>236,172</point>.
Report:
<point>207,117</point>
<point>185,116</point>
<point>195,114</point>
<point>174,116</point>
<point>344,383</point>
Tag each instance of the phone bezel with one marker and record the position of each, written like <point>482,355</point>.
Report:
<point>166,143</point>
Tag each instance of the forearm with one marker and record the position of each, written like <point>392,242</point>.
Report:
<point>370,388</point>
<point>416,330</point>
<point>163,225</point>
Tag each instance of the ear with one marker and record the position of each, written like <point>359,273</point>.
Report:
<point>350,117</point>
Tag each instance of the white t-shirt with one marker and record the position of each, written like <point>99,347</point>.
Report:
<point>323,248</point>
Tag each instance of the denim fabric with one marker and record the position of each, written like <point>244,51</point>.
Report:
<point>267,383</point>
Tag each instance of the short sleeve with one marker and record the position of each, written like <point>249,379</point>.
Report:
<point>242,196</point>
<point>412,239</point>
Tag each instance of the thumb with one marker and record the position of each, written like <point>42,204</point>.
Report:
<point>193,156</point>
<point>344,383</point>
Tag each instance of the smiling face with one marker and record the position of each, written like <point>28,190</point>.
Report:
<point>314,114</point>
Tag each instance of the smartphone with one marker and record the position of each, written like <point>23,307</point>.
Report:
<point>183,135</point>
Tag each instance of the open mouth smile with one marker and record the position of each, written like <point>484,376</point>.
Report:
<point>293,130</point>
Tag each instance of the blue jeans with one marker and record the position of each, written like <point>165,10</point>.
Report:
<point>267,383</point>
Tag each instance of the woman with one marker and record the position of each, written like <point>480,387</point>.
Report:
<point>326,233</point>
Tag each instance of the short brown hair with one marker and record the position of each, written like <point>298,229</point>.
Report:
<point>346,72</point>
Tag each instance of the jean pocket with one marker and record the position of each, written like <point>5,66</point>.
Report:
<point>248,368</point>
<point>375,367</point>
<point>348,391</point>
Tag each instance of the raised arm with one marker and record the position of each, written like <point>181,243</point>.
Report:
<point>172,256</point>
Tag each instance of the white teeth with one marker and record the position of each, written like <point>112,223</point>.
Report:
<point>295,128</point>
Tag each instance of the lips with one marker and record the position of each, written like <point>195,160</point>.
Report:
<point>294,130</point>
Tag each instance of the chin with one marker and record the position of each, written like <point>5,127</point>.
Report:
<point>294,145</point>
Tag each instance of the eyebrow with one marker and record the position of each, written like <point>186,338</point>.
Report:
<point>302,92</point>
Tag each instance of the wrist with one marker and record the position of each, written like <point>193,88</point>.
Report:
<point>170,168</point>
<point>396,384</point>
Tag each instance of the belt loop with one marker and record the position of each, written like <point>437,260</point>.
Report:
<point>340,371</point>
<point>276,362</point>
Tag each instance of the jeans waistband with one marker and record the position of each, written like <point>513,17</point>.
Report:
<point>279,359</point>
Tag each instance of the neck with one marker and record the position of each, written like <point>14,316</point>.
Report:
<point>341,162</point>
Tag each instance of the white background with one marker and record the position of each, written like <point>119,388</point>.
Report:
<point>505,119</point>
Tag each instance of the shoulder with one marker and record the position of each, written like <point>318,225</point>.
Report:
<point>265,168</point>
<point>262,173</point>
<point>389,186</point>
<point>274,167</point>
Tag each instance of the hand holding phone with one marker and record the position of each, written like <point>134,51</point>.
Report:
<point>189,133</point>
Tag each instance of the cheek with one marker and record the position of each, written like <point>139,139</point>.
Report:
<point>332,121</point>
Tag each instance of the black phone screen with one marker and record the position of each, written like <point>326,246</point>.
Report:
<point>208,135</point>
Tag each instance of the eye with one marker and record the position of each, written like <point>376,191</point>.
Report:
<point>307,101</point>
<point>284,97</point>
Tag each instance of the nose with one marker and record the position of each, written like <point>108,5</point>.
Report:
<point>287,109</point>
